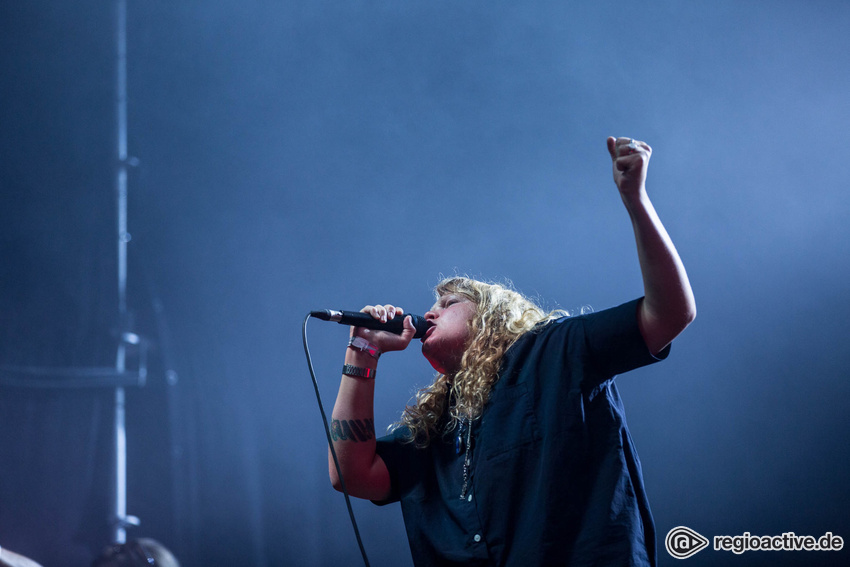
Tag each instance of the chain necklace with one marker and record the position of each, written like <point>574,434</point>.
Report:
<point>464,446</point>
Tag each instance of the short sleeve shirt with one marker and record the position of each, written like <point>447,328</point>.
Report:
<point>554,476</point>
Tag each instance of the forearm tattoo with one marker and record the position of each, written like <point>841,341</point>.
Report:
<point>352,430</point>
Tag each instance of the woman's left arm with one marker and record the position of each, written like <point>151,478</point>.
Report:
<point>668,305</point>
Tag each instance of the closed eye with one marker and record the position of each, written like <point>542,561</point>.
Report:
<point>452,300</point>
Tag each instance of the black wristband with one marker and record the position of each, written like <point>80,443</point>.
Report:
<point>358,371</point>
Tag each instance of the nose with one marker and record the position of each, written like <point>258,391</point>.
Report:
<point>430,316</point>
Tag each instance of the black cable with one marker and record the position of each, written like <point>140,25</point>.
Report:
<point>330,441</point>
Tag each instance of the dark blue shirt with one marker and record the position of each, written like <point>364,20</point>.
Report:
<point>554,476</point>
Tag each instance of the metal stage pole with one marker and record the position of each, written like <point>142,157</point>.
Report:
<point>130,344</point>
<point>120,519</point>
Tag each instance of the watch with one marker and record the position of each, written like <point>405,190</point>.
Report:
<point>358,371</point>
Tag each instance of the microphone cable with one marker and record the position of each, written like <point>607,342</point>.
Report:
<point>330,441</point>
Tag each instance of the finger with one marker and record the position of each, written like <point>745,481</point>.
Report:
<point>624,146</point>
<point>409,329</point>
<point>391,311</point>
<point>638,146</point>
<point>628,146</point>
<point>612,146</point>
<point>379,313</point>
<point>626,163</point>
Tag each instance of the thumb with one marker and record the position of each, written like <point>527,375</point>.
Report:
<point>409,329</point>
<point>612,144</point>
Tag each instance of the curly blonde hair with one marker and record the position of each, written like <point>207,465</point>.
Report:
<point>502,316</point>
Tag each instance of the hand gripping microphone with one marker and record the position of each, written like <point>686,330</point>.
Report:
<point>358,319</point>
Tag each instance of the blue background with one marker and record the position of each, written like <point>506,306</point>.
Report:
<point>298,156</point>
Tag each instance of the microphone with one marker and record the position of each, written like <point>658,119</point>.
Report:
<point>358,319</point>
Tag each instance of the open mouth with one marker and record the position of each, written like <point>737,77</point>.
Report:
<point>428,333</point>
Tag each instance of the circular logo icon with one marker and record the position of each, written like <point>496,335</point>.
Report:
<point>682,542</point>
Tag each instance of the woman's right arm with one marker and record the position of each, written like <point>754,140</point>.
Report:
<point>352,420</point>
